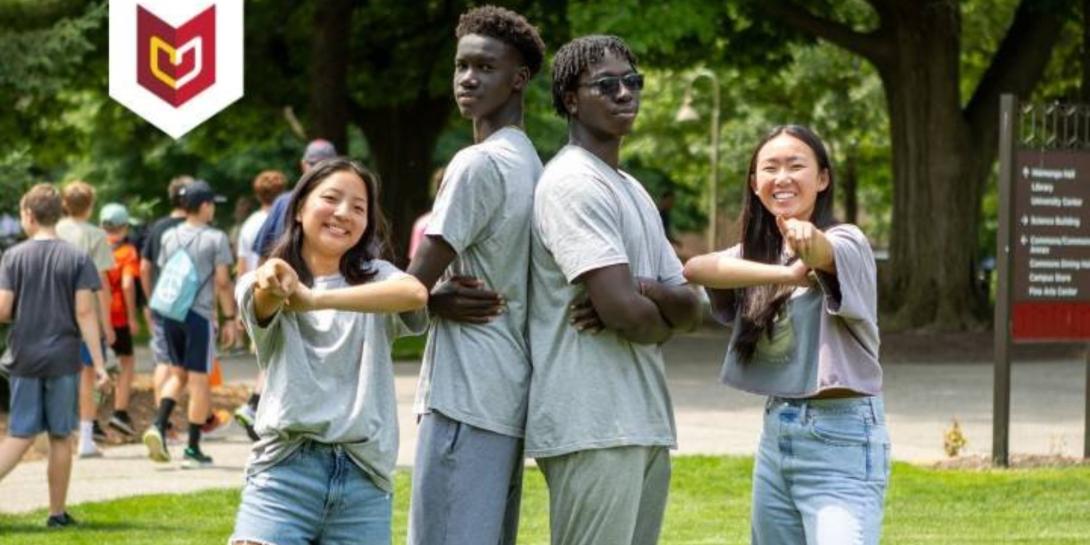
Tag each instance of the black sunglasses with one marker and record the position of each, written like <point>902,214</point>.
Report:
<point>609,85</point>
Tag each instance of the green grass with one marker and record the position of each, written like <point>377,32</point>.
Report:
<point>409,348</point>
<point>709,503</point>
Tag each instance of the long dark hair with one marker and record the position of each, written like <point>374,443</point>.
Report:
<point>762,242</point>
<point>354,264</point>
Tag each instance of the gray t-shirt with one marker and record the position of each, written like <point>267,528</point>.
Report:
<point>44,275</point>
<point>329,379</point>
<point>209,248</point>
<point>825,336</point>
<point>88,238</point>
<point>593,391</point>
<point>480,373</point>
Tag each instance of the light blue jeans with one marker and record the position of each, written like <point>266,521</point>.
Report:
<point>317,496</point>
<point>821,472</point>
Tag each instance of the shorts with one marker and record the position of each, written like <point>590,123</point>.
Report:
<point>316,494</point>
<point>123,345</point>
<point>85,354</point>
<point>190,343</point>
<point>158,343</point>
<point>44,404</point>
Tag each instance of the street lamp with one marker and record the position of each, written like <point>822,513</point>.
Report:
<point>686,114</point>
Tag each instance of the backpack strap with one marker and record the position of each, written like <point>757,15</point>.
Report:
<point>186,247</point>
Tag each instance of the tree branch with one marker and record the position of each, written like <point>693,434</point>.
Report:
<point>868,45</point>
<point>1017,65</point>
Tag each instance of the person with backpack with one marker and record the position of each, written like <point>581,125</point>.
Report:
<point>323,312</point>
<point>194,267</point>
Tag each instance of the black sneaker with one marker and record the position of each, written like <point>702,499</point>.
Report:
<point>60,521</point>
<point>122,423</point>
<point>97,433</point>
<point>195,459</point>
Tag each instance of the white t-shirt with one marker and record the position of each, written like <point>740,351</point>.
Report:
<point>246,236</point>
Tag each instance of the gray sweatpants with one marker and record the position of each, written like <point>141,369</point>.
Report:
<point>610,496</point>
<point>467,485</point>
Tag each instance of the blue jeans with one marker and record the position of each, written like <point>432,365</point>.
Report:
<point>317,495</point>
<point>821,472</point>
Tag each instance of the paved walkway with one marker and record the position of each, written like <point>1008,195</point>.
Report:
<point>921,400</point>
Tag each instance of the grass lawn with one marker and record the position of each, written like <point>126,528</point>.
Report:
<point>709,504</point>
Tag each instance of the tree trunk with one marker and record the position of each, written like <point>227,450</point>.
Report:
<point>328,110</point>
<point>936,196</point>
<point>402,139</point>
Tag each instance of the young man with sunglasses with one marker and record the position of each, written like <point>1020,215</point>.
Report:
<point>606,292</point>
<point>473,385</point>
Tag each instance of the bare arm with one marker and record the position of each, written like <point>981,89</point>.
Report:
<point>679,305</point>
<point>718,271</point>
<point>620,306</point>
<point>104,297</point>
<point>462,299</point>
<point>225,290</point>
<point>145,278</point>
<point>391,296</point>
<point>88,328</point>
<point>128,291</point>
<point>7,305</point>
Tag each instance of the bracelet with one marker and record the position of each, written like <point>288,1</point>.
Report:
<point>228,318</point>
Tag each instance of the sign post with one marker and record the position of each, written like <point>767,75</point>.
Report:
<point>1043,243</point>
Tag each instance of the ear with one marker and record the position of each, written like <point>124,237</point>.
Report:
<point>522,79</point>
<point>571,103</point>
<point>753,183</point>
<point>823,179</point>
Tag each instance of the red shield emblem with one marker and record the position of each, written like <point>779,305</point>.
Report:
<point>176,64</point>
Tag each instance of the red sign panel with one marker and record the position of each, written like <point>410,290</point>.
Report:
<point>176,64</point>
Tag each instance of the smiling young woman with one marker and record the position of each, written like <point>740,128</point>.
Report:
<point>800,291</point>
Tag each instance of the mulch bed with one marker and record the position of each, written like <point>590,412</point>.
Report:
<point>142,410</point>
<point>1017,461</point>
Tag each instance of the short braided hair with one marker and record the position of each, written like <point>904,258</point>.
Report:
<point>574,57</point>
<point>508,27</point>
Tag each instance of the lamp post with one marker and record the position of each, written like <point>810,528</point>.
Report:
<point>688,113</point>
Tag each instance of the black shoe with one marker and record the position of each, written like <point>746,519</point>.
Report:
<point>122,423</point>
<point>97,433</point>
<point>195,459</point>
<point>60,521</point>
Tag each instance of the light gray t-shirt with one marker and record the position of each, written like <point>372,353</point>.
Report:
<point>593,391</point>
<point>209,248</point>
<point>825,336</point>
<point>329,379</point>
<point>480,373</point>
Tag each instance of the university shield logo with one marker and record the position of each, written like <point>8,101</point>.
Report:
<point>176,64</point>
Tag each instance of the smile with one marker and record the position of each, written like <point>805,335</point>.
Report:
<point>336,231</point>
<point>783,195</point>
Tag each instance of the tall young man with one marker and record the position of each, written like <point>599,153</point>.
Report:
<point>46,288</point>
<point>76,229</point>
<point>191,343</point>
<point>473,384</point>
<point>606,291</point>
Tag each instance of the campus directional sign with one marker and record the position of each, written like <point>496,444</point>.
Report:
<point>1042,244</point>
<point>1051,232</point>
